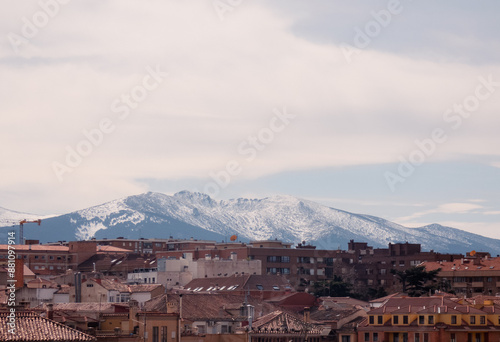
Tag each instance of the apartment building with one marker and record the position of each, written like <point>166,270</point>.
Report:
<point>470,276</point>
<point>431,319</point>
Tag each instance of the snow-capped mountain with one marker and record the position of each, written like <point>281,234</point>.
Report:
<point>187,214</point>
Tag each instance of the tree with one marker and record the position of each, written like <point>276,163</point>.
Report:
<point>416,280</point>
<point>332,288</point>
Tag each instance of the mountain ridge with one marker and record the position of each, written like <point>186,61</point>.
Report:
<point>190,214</point>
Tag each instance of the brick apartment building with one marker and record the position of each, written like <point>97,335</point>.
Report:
<point>152,246</point>
<point>56,259</point>
<point>470,276</point>
<point>362,265</point>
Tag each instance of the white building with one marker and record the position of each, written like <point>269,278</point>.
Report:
<point>178,272</point>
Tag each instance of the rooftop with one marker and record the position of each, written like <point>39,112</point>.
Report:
<point>31,327</point>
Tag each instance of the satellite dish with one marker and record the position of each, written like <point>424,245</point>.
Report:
<point>233,237</point>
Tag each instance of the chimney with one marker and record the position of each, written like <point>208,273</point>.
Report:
<point>172,307</point>
<point>307,314</point>
<point>50,311</point>
<point>133,307</point>
<point>78,287</point>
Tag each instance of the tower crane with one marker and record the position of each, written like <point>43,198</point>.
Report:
<point>21,229</point>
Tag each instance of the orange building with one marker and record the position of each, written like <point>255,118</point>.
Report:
<point>431,319</point>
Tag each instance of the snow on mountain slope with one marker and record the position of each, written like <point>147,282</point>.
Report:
<point>283,217</point>
<point>11,218</point>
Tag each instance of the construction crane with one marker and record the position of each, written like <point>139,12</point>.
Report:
<point>21,229</point>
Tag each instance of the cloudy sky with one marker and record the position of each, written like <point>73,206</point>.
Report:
<point>388,108</point>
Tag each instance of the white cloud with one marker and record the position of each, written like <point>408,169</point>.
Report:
<point>224,80</point>
<point>446,208</point>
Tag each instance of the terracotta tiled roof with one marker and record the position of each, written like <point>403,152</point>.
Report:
<point>31,327</point>
<point>241,283</point>
<point>42,248</point>
<point>143,287</point>
<point>384,299</point>
<point>63,290</point>
<point>490,264</point>
<point>207,306</point>
<point>428,305</point>
<point>110,249</point>
<point>285,323</point>
<point>110,284</point>
<point>89,307</point>
<point>332,314</point>
<point>116,261</point>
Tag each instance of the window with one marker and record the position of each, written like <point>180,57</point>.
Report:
<point>285,259</point>
<point>372,320</point>
<point>405,337</point>
<point>426,337</point>
<point>346,338</point>
<point>395,320</point>
<point>90,285</point>
<point>380,320</point>
<point>272,259</point>
<point>482,319</point>
<point>375,337</point>
<point>478,337</point>
<point>396,337</point>
<point>405,319</point>
<point>417,337</point>
<point>383,271</point>
<point>155,334</point>
<point>367,337</point>
<point>472,319</point>
<point>259,287</point>
<point>421,320</point>
<point>453,338</point>
<point>453,319</point>
<point>431,320</point>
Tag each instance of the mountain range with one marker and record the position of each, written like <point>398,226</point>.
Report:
<point>187,214</point>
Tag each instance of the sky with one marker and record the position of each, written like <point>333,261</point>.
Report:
<point>388,108</point>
